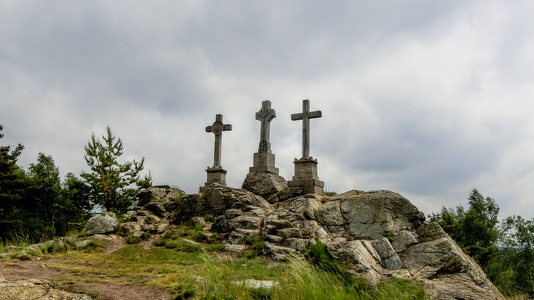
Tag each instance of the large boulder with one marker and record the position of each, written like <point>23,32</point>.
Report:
<point>271,187</point>
<point>101,224</point>
<point>447,271</point>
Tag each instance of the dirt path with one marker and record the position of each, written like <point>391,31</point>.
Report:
<point>38,268</point>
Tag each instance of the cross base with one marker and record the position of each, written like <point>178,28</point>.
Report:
<point>306,176</point>
<point>263,162</point>
<point>215,175</point>
<point>310,186</point>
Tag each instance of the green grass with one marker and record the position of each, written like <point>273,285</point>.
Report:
<point>206,275</point>
<point>193,270</point>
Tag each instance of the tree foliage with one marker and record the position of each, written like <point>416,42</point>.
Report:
<point>34,205</point>
<point>12,185</point>
<point>518,253</point>
<point>113,185</point>
<point>504,250</point>
<point>56,208</point>
<point>475,229</point>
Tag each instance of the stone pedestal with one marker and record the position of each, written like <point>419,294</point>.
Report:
<point>263,162</point>
<point>306,176</point>
<point>215,175</point>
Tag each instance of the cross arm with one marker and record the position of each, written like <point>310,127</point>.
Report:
<point>298,116</point>
<point>315,114</point>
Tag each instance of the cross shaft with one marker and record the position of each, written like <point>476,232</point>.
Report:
<point>217,128</point>
<point>265,116</point>
<point>305,116</point>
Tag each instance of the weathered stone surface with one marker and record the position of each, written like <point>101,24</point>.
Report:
<point>302,207</point>
<point>279,253</point>
<point>402,240</point>
<point>162,193</point>
<point>298,243</point>
<point>372,215</point>
<point>274,238</point>
<point>458,286</point>
<point>155,213</point>
<point>357,259</point>
<point>130,227</point>
<point>157,208</point>
<point>429,259</point>
<point>101,224</point>
<point>239,236</point>
<point>390,259</point>
<point>162,226</point>
<point>430,231</point>
<point>35,289</point>
<point>270,186</point>
<point>330,214</point>
<point>263,162</point>
<point>258,284</point>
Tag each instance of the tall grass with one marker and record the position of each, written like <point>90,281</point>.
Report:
<point>296,280</point>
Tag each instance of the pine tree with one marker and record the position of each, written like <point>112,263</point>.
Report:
<point>12,186</point>
<point>113,185</point>
<point>76,202</point>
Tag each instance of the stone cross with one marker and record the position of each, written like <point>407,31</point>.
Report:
<point>305,116</point>
<point>217,128</point>
<point>265,116</point>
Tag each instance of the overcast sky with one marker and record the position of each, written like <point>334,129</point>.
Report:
<point>429,99</point>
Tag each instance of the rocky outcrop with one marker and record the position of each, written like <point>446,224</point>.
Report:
<point>235,213</point>
<point>101,223</point>
<point>155,211</point>
<point>374,234</point>
<point>35,289</point>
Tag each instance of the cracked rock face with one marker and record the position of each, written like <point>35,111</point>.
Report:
<point>375,234</point>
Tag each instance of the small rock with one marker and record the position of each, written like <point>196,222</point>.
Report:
<point>258,284</point>
<point>101,224</point>
<point>198,220</point>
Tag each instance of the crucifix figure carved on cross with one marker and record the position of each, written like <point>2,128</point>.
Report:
<point>217,128</point>
<point>265,116</point>
<point>305,116</point>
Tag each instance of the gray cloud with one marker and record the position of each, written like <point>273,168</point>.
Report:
<point>429,99</point>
